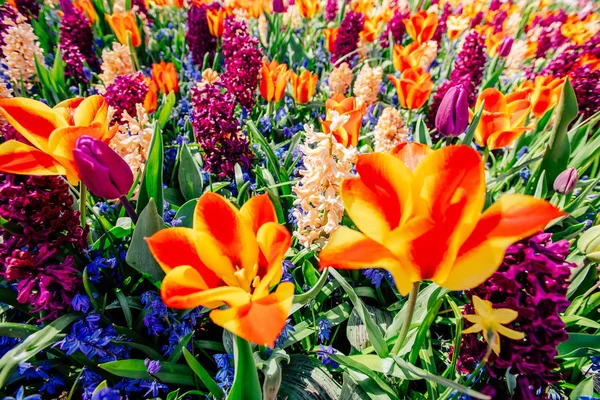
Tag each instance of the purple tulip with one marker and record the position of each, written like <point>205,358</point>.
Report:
<point>278,6</point>
<point>506,46</point>
<point>67,7</point>
<point>566,181</point>
<point>452,117</point>
<point>102,170</point>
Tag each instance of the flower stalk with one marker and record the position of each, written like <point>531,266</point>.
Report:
<point>412,302</point>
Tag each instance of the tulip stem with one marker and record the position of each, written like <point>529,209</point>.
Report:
<point>82,204</point>
<point>410,310</point>
<point>129,209</point>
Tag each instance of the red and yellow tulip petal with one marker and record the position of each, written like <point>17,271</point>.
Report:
<point>32,119</point>
<point>92,109</point>
<point>62,141</point>
<point>411,153</point>
<point>183,287</point>
<point>67,109</point>
<point>349,249</point>
<point>258,211</point>
<point>260,321</point>
<point>20,158</point>
<point>494,100</point>
<point>352,127</point>
<point>511,218</point>
<point>218,218</point>
<point>504,138</point>
<point>177,246</point>
<point>274,241</point>
<point>377,199</point>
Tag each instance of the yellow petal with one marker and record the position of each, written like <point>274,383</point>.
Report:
<point>20,158</point>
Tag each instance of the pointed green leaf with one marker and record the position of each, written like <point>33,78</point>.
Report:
<point>190,177</point>
<point>204,376</point>
<point>246,385</point>
<point>152,181</point>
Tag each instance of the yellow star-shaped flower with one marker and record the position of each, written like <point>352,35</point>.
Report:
<point>491,322</point>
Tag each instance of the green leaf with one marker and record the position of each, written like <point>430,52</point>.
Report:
<point>152,181</point>
<point>138,255</point>
<point>186,213</point>
<point>305,378</point>
<point>468,139</point>
<point>356,330</point>
<point>122,229</point>
<point>165,111</point>
<point>541,189</point>
<point>204,376</point>
<point>17,330</point>
<point>125,307</point>
<point>135,369</point>
<point>358,386</point>
<point>301,299</point>
<point>422,133</point>
<point>32,345</point>
<point>190,178</point>
<point>246,385</point>
<point>558,152</point>
<point>357,366</point>
<point>373,330</point>
<point>149,351</point>
<point>183,342</point>
<point>578,345</point>
<point>585,388</point>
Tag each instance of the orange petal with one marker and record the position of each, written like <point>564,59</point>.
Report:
<point>174,247</point>
<point>260,321</point>
<point>504,138</point>
<point>218,218</point>
<point>349,249</point>
<point>32,119</point>
<point>274,241</point>
<point>20,158</point>
<point>92,109</point>
<point>258,211</point>
<point>62,141</point>
<point>511,218</point>
<point>377,199</point>
<point>411,153</point>
<point>184,287</point>
<point>494,100</point>
<point>67,108</point>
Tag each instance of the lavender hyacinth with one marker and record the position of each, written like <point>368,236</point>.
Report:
<point>242,62</point>
<point>348,35</point>
<point>198,37</point>
<point>532,280</point>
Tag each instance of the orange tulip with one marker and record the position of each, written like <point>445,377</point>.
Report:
<point>87,8</point>
<point>151,99</point>
<point>344,106</point>
<point>308,8</point>
<point>544,91</point>
<point>421,26</point>
<point>577,31</point>
<point>165,76</point>
<point>52,133</point>
<point>408,57</point>
<point>492,40</point>
<point>230,257</point>
<point>304,86</point>
<point>371,28</point>
<point>123,24</point>
<point>419,216</point>
<point>330,36</point>
<point>362,6</point>
<point>216,18</point>
<point>456,24</point>
<point>503,118</point>
<point>275,78</point>
<point>413,87</point>
<point>588,59</point>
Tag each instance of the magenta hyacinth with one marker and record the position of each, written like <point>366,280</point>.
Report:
<point>29,8</point>
<point>348,35</point>
<point>217,132</point>
<point>125,92</point>
<point>442,23</point>
<point>532,280</point>
<point>586,84</point>
<point>77,42</point>
<point>396,27</point>
<point>243,61</point>
<point>6,11</point>
<point>331,10</point>
<point>198,37</point>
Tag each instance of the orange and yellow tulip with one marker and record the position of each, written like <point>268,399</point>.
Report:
<point>275,78</point>
<point>215,19</point>
<point>304,86</point>
<point>371,28</point>
<point>544,93</point>
<point>308,8</point>
<point>330,36</point>
<point>230,257</point>
<point>165,76</point>
<point>347,134</point>
<point>413,87</point>
<point>124,24</point>
<point>52,133</point>
<point>577,31</point>
<point>409,56</point>
<point>503,118</point>
<point>421,26</point>
<point>419,216</point>
<point>492,40</point>
<point>456,24</point>
<point>87,8</point>
<point>151,99</point>
<point>588,59</point>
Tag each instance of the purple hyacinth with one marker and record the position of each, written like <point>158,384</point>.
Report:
<point>442,23</point>
<point>532,280</point>
<point>141,6</point>
<point>564,62</point>
<point>348,35</point>
<point>29,8</point>
<point>331,10</point>
<point>217,131</point>
<point>6,11</point>
<point>498,20</point>
<point>198,37</point>
<point>77,44</point>
<point>467,72</point>
<point>243,62</point>
<point>396,27</point>
<point>586,84</point>
<point>125,92</point>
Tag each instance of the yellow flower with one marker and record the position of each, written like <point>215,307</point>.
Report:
<point>491,322</point>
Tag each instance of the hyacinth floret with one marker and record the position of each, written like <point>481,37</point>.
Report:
<point>125,92</point>
<point>198,37</point>
<point>348,35</point>
<point>77,45</point>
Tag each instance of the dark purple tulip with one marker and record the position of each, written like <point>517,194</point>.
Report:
<point>452,117</point>
<point>566,181</point>
<point>278,6</point>
<point>102,170</point>
<point>506,46</point>
<point>67,7</point>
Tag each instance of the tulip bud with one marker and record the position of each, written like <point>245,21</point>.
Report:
<point>565,182</point>
<point>589,243</point>
<point>278,6</point>
<point>453,115</point>
<point>506,46</point>
<point>102,170</point>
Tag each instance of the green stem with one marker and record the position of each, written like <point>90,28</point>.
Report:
<point>408,118</point>
<point>412,301</point>
<point>82,204</point>
<point>246,385</point>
